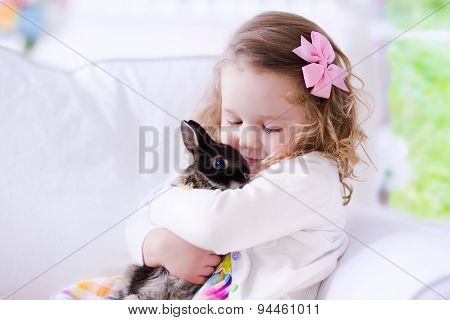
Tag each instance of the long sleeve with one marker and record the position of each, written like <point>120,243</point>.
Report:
<point>137,229</point>
<point>140,224</point>
<point>292,195</point>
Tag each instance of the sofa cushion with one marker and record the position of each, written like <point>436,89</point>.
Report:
<point>69,162</point>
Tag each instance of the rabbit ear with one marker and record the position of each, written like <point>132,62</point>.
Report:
<point>203,137</point>
<point>189,136</point>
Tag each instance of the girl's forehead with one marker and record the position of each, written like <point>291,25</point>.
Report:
<point>245,90</point>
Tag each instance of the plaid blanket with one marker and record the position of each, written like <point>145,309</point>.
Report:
<point>218,287</point>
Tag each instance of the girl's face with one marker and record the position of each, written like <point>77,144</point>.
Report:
<point>257,118</point>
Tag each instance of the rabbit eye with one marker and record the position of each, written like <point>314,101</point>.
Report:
<point>219,164</point>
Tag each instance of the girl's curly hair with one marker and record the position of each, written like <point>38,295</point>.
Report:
<point>265,43</point>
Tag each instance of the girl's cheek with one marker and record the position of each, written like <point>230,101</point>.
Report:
<point>230,136</point>
<point>278,143</point>
<point>224,134</point>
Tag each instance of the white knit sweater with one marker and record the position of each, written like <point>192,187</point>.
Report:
<point>285,227</point>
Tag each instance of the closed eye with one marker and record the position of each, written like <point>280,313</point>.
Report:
<point>272,130</point>
<point>267,130</point>
<point>234,123</point>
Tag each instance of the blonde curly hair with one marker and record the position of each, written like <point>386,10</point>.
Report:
<point>265,42</point>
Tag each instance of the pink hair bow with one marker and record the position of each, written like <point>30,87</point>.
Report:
<point>320,73</point>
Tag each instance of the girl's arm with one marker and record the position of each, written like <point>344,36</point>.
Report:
<point>282,200</point>
<point>138,227</point>
<point>154,246</point>
<point>140,224</point>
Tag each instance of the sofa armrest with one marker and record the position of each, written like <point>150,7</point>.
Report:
<point>393,258</point>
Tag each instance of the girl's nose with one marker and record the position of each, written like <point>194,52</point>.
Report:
<point>249,138</point>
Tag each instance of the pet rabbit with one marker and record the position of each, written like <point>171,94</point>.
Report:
<point>215,166</point>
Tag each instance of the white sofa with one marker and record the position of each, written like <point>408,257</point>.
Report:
<point>69,169</point>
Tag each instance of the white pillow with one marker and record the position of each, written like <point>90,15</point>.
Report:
<point>69,162</point>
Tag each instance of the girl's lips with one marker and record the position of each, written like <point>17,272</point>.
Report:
<point>252,160</point>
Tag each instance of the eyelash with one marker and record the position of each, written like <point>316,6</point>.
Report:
<point>267,130</point>
<point>235,123</point>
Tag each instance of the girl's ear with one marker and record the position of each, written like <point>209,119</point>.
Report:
<point>189,136</point>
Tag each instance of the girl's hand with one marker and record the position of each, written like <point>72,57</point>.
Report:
<point>186,261</point>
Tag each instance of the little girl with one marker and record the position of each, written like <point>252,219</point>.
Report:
<point>283,98</point>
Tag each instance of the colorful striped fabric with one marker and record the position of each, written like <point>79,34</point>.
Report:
<point>218,287</point>
<point>105,288</point>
